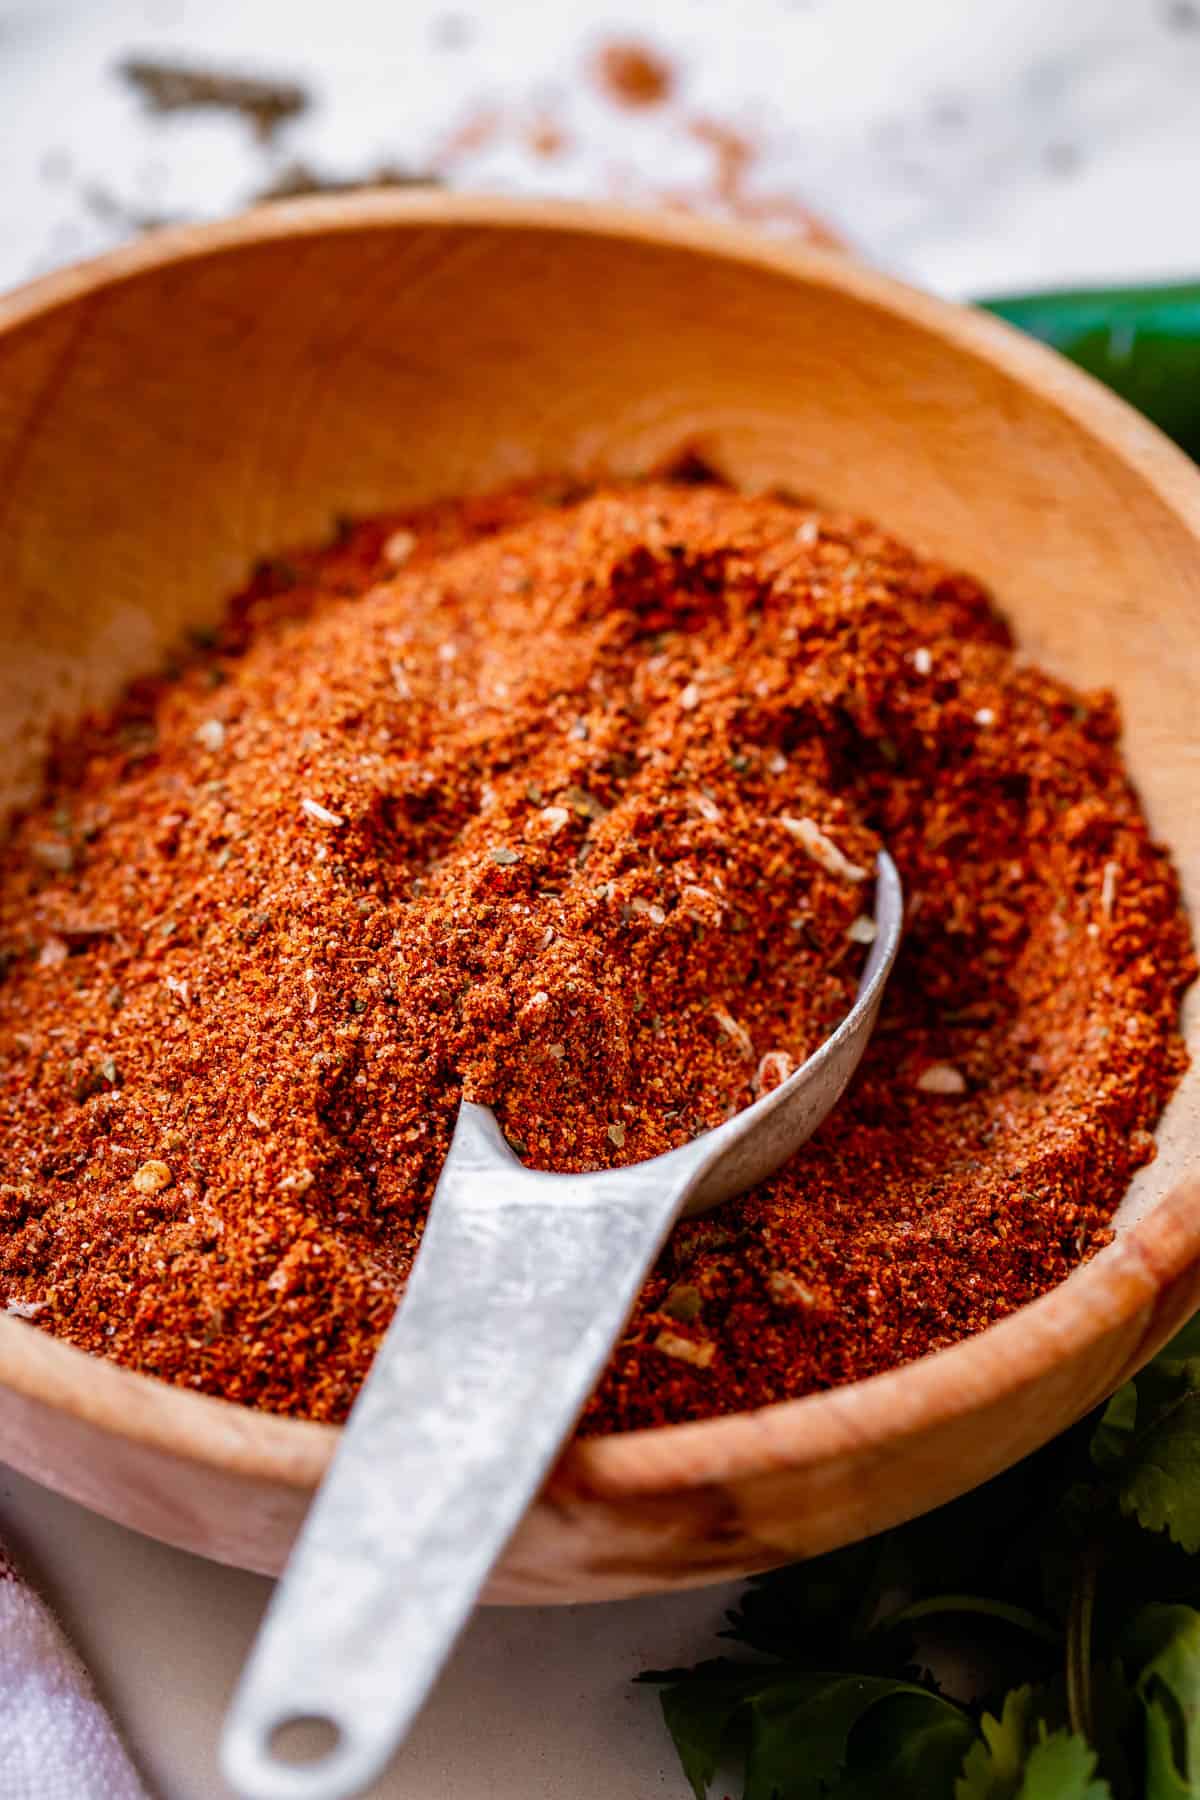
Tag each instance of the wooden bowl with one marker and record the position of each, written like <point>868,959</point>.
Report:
<point>176,409</point>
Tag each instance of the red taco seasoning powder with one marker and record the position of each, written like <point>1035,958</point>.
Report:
<point>570,804</point>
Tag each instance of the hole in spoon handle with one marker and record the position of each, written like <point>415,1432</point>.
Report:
<point>296,1756</point>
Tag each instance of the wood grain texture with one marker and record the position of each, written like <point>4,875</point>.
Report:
<point>178,408</point>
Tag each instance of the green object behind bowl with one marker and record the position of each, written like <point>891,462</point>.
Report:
<point>1142,342</point>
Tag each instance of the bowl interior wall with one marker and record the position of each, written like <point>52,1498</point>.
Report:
<point>159,433</point>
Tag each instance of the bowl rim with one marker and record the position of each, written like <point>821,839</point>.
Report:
<point>880,1411</point>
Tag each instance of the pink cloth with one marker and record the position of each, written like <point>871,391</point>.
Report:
<point>56,1740</point>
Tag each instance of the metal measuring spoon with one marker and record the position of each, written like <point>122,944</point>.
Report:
<point>520,1289</point>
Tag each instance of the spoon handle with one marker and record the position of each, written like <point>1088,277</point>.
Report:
<point>522,1284</point>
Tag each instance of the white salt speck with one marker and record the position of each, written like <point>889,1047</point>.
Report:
<point>683,1349</point>
<point>398,548</point>
<point>52,853</point>
<point>1108,888</point>
<point>700,903</point>
<point>941,1078</point>
<point>320,815</point>
<point>773,1071</point>
<point>211,735</point>
<point>789,1290</point>
<point>730,1026</point>
<point>822,849</point>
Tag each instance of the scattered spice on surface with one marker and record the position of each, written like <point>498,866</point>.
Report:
<point>634,75</point>
<point>425,817</point>
<point>734,155</point>
<point>478,131</point>
<point>733,188</point>
<point>547,138</point>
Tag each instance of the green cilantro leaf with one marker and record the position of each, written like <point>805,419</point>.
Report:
<point>700,1707</point>
<point>992,1769</point>
<point>800,1733</point>
<point>908,1745</point>
<point>1018,1759</point>
<point>1118,1421</point>
<point>1163,1643</point>
<point>825,1603</point>
<point>1037,1582</point>
<point>1163,1781</point>
<point>1062,1766</point>
<point>1159,1476</point>
<point>1185,1345</point>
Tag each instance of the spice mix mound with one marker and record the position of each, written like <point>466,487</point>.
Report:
<point>569,802</point>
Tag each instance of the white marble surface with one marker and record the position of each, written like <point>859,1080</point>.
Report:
<point>538,1704</point>
<point>998,145</point>
<point>974,147</point>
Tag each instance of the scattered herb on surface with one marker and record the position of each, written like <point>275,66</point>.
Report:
<point>170,87</point>
<point>1068,1590</point>
<point>297,179</point>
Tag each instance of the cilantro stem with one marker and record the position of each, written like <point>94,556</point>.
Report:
<point>1079,1644</point>
<point>937,1604</point>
